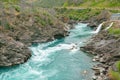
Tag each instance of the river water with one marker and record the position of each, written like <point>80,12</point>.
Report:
<point>56,60</point>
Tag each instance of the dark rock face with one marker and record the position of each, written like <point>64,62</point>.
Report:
<point>104,44</point>
<point>96,20</point>
<point>106,47</point>
<point>12,52</point>
<point>17,32</point>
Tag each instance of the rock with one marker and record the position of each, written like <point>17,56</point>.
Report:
<point>94,77</point>
<point>20,31</point>
<point>96,20</point>
<point>97,72</point>
<point>100,78</point>
<point>96,57</point>
<point>93,60</point>
<point>12,52</point>
<point>102,60</point>
<point>92,25</point>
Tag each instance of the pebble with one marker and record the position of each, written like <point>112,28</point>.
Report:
<point>94,77</point>
<point>93,60</point>
<point>102,60</point>
<point>96,57</point>
<point>99,78</point>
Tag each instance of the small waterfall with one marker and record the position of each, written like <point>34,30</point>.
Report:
<point>98,28</point>
<point>109,26</point>
<point>67,27</point>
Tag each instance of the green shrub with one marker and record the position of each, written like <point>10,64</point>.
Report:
<point>65,4</point>
<point>17,8</point>
<point>116,74</point>
<point>50,22</point>
<point>118,66</point>
<point>10,1</point>
<point>114,31</point>
<point>78,14</point>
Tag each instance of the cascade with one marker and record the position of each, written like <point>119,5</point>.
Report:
<point>109,26</point>
<point>98,29</point>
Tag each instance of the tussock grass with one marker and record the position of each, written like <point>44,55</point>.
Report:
<point>114,31</point>
<point>115,75</point>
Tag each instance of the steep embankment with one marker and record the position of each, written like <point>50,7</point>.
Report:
<point>101,3</point>
<point>21,25</point>
<point>106,48</point>
<point>78,3</point>
<point>57,3</point>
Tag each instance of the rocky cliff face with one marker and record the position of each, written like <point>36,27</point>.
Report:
<point>96,20</point>
<point>12,52</point>
<point>19,29</point>
<point>106,48</point>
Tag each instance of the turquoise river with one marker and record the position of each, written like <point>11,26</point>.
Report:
<point>56,60</point>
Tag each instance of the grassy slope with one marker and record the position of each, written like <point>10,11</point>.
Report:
<point>16,7</point>
<point>80,3</point>
<point>101,3</point>
<point>49,3</point>
<point>115,75</point>
<point>22,18</point>
<point>77,14</point>
<point>57,3</point>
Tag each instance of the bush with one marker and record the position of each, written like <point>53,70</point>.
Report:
<point>115,75</point>
<point>78,14</point>
<point>114,31</point>
<point>17,8</point>
<point>10,1</point>
<point>118,66</point>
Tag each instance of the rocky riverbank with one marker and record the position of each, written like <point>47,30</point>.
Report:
<point>18,30</point>
<point>106,47</point>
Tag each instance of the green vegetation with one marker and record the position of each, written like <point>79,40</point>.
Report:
<point>15,7</point>
<point>10,1</point>
<point>49,3</point>
<point>77,14</point>
<point>115,31</point>
<point>101,3</point>
<point>118,66</point>
<point>115,75</point>
<point>57,3</point>
<point>79,3</point>
<point>114,11</point>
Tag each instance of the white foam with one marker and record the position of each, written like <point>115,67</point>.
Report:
<point>98,29</point>
<point>42,55</point>
<point>35,72</point>
<point>75,49</point>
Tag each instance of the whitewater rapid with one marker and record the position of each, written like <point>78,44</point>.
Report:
<point>56,60</point>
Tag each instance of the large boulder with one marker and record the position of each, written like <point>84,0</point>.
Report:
<point>12,52</point>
